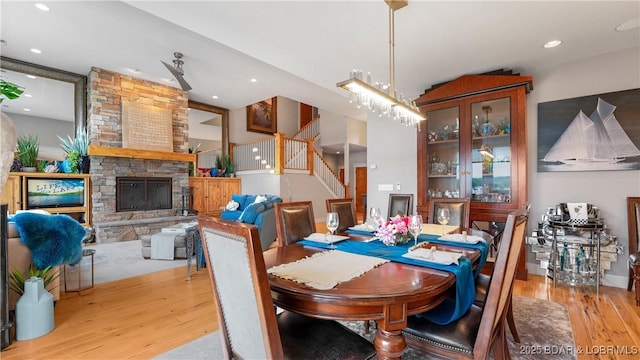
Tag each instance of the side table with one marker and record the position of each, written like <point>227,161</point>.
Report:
<point>85,253</point>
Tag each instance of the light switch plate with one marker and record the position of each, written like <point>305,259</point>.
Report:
<point>385,187</point>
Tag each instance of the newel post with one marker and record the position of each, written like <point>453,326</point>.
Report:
<point>279,161</point>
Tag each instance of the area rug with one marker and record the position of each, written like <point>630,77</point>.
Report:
<point>541,324</point>
<point>121,260</point>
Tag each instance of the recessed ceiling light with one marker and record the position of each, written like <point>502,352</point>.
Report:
<point>28,95</point>
<point>254,80</point>
<point>629,25</point>
<point>168,80</point>
<point>133,70</point>
<point>337,152</point>
<point>36,51</point>
<point>215,96</point>
<point>25,109</point>
<point>552,44</point>
<point>42,7</point>
<point>31,77</point>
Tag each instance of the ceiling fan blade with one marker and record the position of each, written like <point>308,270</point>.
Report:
<point>173,70</point>
<point>183,83</point>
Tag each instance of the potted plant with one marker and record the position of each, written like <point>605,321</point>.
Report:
<point>17,279</point>
<point>219,166</point>
<point>76,151</point>
<point>228,165</point>
<point>28,152</point>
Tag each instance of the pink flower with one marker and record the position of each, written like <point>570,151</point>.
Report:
<point>388,231</point>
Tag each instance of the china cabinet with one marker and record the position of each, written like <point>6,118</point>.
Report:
<point>473,145</point>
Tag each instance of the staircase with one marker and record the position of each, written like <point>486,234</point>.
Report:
<point>280,154</point>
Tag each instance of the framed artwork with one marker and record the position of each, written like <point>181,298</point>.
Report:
<point>261,116</point>
<point>590,133</point>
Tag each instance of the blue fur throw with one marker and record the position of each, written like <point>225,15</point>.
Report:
<point>52,239</point>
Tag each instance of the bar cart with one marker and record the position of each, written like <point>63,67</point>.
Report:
<point>575,252</point>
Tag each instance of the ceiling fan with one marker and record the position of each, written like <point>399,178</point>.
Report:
<point>177,71</point>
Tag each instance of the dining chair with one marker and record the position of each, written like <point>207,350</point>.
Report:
<point>481,330</point>
<point>633,218</point>
<point>294,221</point>
<point>482,286</point>
<point>346,209</point>
<point>249,326</point>
<point>401,204</point>
<point>458,210</point>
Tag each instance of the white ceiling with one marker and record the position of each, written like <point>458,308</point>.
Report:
<point>301,49</point>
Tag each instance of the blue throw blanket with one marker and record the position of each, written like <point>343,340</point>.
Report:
<point>53,239</point>
<point>452,308</point>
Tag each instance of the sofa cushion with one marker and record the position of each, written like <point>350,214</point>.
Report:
<point>231,215</point>
<point>241,199</point>
<point>250,213</point>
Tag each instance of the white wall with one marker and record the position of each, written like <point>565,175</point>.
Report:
<point>356,132</point>
<point>607,190</point>
<point>332,127</point>
<point>395,156</point>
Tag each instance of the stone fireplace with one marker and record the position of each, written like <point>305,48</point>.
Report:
<point>107,91</point>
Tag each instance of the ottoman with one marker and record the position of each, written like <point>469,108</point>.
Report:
<point>179,246</point>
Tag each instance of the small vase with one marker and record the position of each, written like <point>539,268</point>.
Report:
<point>402,239</point>
<point>29,169</point>
<point>83,164</point>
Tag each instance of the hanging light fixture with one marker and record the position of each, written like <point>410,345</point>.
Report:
<point>382,98</point>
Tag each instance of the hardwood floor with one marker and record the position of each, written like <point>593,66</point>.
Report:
<point>144,316</point>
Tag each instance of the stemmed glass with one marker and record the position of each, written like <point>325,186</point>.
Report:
<point>375,214</point>
<point>332,225</point>
<point>415,227</point>
<point>443,217</point>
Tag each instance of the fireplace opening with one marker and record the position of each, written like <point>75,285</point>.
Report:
<point>141,193</point>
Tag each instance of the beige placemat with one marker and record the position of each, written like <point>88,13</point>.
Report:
<point>436,229</point>
<point>326,269</point>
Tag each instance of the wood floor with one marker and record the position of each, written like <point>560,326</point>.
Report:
<point>144,316</point>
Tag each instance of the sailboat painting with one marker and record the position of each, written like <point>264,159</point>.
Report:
<point>599,132</point>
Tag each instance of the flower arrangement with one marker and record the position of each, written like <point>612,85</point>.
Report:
<point>395,231</point>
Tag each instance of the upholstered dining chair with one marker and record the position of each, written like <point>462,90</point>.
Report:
<point>400,204</point>
<point>458,210</point>
<point>633,217</point>
<point>249,326</point>
<point>346,209</point>
<point>481,330</point>
<point>294,221</point>
<point>482,286</point>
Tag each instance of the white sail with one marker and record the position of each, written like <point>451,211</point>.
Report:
<point>598,138</point>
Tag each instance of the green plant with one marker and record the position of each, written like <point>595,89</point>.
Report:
<point>228,164</point>
<point>219,164</point>
<point>79,144</point>
<point>9,91</point>
<point>28,150</point>
<point>17,279</point>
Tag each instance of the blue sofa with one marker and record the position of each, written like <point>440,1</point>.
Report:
<point>261,214</point>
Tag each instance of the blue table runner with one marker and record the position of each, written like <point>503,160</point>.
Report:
<point>452,308</point>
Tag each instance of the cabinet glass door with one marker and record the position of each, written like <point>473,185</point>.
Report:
<point>443,147</point>
<point>491,151</point>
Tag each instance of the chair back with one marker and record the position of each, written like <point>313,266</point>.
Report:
<point>400,204</point>
<point>501,284</point>
<point>294,221</point>
<point>633,217</point>
<point>346,210</point>
<point>241,291</point>
<point>458,210</point>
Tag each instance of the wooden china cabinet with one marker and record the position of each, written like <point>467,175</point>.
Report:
<point>474,145</point>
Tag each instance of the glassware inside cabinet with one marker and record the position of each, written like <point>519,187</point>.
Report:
<point>443,147</point>
<point>491,151</point>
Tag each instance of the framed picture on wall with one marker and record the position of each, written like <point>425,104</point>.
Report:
<point>590,133</point>
<point>261,116</point>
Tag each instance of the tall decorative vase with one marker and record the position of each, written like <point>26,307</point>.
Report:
<point>83,164</point>
<point>34,311</point>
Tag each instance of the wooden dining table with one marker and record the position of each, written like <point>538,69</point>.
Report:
<point>387,294</point>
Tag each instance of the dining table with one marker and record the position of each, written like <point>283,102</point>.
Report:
<point>387,293</point>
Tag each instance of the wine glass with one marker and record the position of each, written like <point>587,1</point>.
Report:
<point>443,217</point>
<point>332,225</point>
<point>375,215</point>
<point>415,227</point>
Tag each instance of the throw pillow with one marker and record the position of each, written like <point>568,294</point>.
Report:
<point>260,198</point>
<point>232,205</point>
<point>250,214</point>
<point>240,199</point>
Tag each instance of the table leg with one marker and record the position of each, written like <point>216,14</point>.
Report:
<point>190,243</point>
<point>389,344</point>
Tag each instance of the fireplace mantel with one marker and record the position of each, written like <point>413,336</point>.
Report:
<point>107,151</point>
